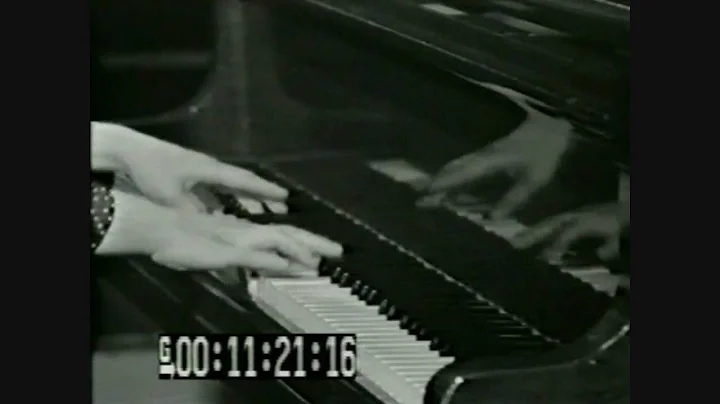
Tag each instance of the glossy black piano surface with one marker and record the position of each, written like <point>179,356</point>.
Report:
<point>337,98</point>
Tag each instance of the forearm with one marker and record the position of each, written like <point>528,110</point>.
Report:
<point>125,223</point>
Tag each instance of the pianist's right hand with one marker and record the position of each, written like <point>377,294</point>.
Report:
<point>189,240</point>
<point>531,154</point>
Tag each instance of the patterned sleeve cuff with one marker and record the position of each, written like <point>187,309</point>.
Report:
<point>102,209</point>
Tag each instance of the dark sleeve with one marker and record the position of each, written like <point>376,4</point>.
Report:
<point>102,207</point>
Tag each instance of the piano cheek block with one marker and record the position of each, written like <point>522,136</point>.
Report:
<point>490,380</point>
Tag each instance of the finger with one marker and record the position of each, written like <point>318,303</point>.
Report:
<point>462,160</point>
<point>430,201</point>
<point>542,231</point>
<point>294,270</point>
<point>253,206</point>
<point>174,198</point>
<point>201,254</point>
<point>318,244</point>
<point>273,239</point>
<point>472,171</point>
<point>229,176</point>
<point>468,203</point>
<point>269,264</point>
<point>216,225</point>
<point>276,207</point>
<point>568,237</point>
<point>610,249</point>
<point>513,200</point>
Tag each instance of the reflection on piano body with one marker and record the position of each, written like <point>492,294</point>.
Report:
<point>353,105</point>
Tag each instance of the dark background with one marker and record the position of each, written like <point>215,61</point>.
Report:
<point>153,56</point>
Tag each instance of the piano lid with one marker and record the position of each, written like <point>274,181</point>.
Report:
<point>572,54</point>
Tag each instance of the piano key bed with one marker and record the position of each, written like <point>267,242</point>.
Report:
<point>421,289</point>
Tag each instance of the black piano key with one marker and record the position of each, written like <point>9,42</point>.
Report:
<point>356,287</point>
<point>345,280</point>
<point>373,297</point>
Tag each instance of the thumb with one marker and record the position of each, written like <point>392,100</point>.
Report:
<point>193,253</point>
<point>201,254</point>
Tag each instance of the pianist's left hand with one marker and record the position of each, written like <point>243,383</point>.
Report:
<point>605,221</point>
<point>165,172</point>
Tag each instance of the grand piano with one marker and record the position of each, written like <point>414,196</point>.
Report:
<point>353,105</point>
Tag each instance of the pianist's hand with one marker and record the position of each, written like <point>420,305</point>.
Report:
<point>198,241</point>
<point>531,154</point>
<point>165,173</point>
<point>604,221</point>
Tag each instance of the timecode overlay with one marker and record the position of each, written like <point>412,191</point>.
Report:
<point>257,356</point>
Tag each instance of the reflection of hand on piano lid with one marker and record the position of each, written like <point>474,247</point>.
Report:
<point>531,155</point>
<point>562,233</point>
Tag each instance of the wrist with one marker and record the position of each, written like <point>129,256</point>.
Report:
<point>112,145</point>
<point>138,227</point>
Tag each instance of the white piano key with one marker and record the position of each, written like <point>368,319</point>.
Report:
<point>389,349</point>
<point>415,374</point>
<point>413,380</point>
<point>369,329</point>
<point>388,356</point>
<point>360,322</point>
<point>377,350</point>
<point>348,316</point>
<point>370,333</point>
<point>416,366</point>
<point>413,364</point>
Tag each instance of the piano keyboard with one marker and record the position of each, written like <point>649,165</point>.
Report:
<point>412,317</point>
<point>392,364</point>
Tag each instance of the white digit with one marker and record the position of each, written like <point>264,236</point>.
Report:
<point>233,352</point>
<point>284,343</point>
<point>348,361</point>
<point>331,344</point>
<point>298,345</point>
<point>249,345</point>
<point>201,357</point>
<point>183,362</point>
